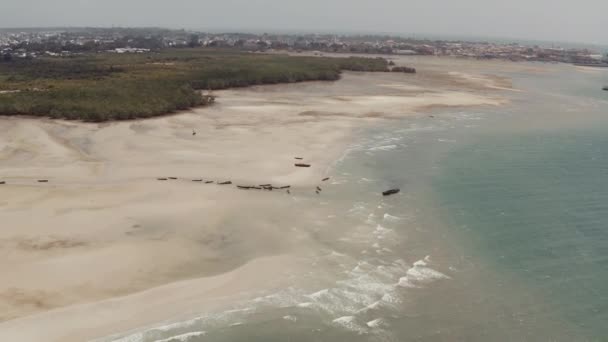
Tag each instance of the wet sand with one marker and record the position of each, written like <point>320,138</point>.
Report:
<point>105,247</point>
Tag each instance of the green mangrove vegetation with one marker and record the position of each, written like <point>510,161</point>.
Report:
<point>108,86</point>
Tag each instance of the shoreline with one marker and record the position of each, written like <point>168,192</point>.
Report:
<point>192,232</point>
<point>147,308</point>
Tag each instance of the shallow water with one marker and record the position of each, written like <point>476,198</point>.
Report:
<point>499,232</point>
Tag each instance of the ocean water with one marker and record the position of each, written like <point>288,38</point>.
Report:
<point>535,207</point>
<point>500,232</point>
<point>529,197</point>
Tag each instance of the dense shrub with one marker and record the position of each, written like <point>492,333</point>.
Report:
<point>406,70</point>
<point>117,87</point>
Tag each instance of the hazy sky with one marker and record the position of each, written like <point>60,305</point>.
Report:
<point>556,20</point>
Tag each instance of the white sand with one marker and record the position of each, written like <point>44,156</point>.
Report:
<point>104,247</point>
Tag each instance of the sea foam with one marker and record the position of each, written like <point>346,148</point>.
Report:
<point>349,323</point>
<point>183,337</point>
<point>420,274</point>
<point>177,325</point>
<point>376,323</point>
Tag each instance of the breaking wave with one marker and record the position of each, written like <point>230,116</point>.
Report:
<point>372,281</point>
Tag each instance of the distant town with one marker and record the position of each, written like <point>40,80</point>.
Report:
<point>37,42</point>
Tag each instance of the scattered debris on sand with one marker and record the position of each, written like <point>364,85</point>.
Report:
<point>247,187</point>
<point>268,187</point>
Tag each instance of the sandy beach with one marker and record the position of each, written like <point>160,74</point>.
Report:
<point>104,247</point>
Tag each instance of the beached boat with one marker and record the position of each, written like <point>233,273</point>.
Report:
<point>390,192</point>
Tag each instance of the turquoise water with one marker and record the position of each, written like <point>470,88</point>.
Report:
<point>536,207</point>
<point>500,232</point>
<point>530,198</point>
